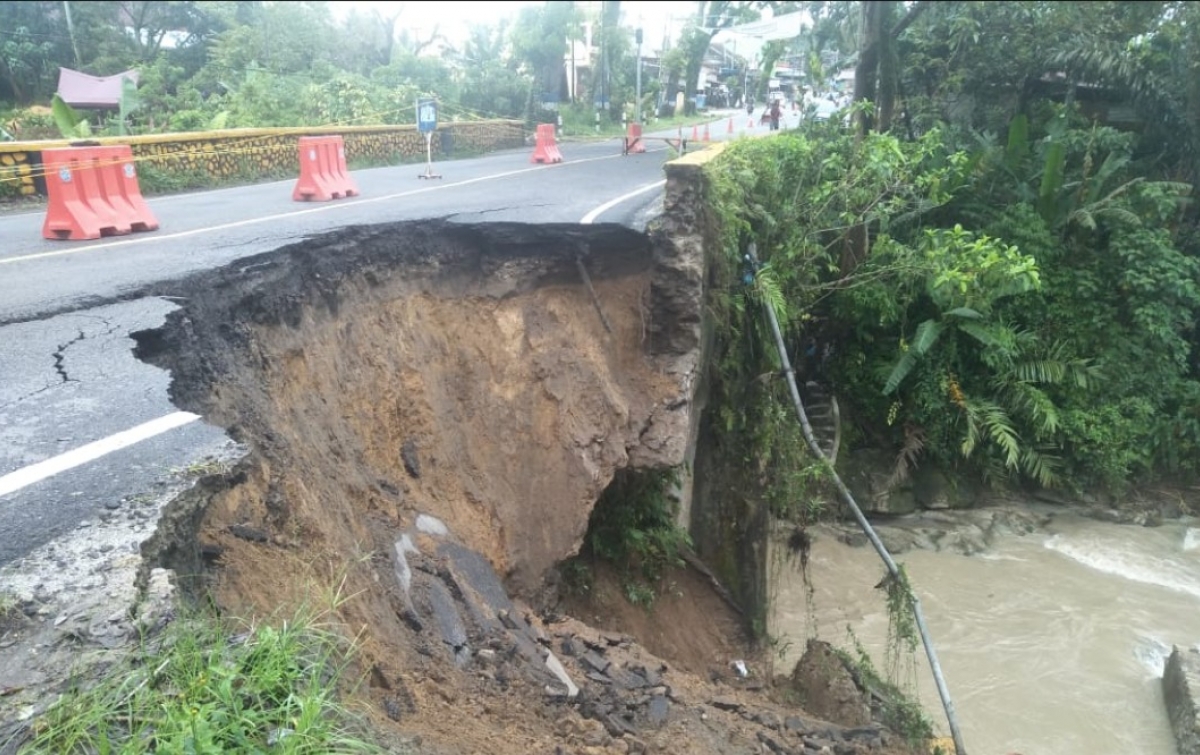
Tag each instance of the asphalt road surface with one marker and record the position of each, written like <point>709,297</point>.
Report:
<point>85,427</point>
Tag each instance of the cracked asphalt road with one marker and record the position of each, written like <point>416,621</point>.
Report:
<point>67,374</point>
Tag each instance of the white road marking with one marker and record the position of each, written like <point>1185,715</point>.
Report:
<point>591,216</point>
<point>295,213</point>
<point>14,481</point>
<point>42,470</point>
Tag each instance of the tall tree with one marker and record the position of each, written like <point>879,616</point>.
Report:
<point>540,40</point>
<point>33,43</point>
<point>877,75</point>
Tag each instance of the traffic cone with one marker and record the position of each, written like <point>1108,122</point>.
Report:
<point>695,133</point>
<point>707,138</point>
<point>750,123</point>
<point>729,128</point>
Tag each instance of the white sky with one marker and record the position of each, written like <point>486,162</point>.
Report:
<point>453,17</point>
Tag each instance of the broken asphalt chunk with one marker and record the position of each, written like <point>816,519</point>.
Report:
<point>596,662</point>
<point>246,532</point>
<point>555,666</point>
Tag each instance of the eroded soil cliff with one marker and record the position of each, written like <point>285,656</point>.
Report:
<point>429,412</point>
<point>489,379</point>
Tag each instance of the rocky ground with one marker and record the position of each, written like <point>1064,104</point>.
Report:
<point>972,530</point>
<point>473,672</point>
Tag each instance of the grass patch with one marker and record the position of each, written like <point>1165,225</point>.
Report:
<point>900,711</point>
<point>202,468</point>
<point>206,686</point>
<point>10,608</point>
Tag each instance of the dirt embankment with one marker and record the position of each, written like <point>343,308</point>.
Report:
<point>416,395</point>
<point>446,369</point>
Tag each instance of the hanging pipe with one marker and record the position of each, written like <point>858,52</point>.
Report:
<point>893,569</point>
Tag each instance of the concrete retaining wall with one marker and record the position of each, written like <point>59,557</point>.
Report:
<point>728,527</point>
<point>253,153</point>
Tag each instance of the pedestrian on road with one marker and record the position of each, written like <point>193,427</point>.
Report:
<point>776,113</point>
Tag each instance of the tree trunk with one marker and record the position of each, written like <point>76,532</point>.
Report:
<point>867,70</point>
<point>1191,91</point>
<point>11,78</point>
<point>888,67</point>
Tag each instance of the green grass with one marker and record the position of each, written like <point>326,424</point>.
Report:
<point>201,688</point>
<point>202,468</point>
<point>902,711</point>
<point>9,606</point>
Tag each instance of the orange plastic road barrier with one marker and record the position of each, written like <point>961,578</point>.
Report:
<point>93,192</point>
<point>633,140</point>
<point>323,174</point>
<point>546,149</point>
<point>119,177</point>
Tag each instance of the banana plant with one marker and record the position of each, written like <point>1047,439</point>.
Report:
<point>1007,413</point>
<point>70,123</point>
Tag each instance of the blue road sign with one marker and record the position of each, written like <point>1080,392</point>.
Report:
<point>426,115</point>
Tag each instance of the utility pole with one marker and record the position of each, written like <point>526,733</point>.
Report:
<point>637,118</point>
<point>574,80</point>
<point>603,56</point>
<point>71,31</point>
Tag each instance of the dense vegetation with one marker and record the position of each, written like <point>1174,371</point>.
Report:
<point>248,63</point>
<point>1003,263</point>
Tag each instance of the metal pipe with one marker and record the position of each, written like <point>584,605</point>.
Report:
<point>880,548</point>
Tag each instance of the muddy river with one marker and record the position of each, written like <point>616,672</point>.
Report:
<point>1052,643</point>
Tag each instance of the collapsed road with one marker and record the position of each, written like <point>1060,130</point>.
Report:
<point>70,392</point>
<point>423,415</point>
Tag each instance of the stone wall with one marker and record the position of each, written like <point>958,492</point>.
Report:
<point>258,153</point>
<point>1181,692</point>
<point>727,521</point>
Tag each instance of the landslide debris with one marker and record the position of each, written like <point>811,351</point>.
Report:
<point>430,411</point>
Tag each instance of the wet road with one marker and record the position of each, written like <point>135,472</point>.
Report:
<point>84,426</point>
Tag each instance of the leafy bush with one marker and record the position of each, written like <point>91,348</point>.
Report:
<point>1027,311</point>
<point>633,527</point>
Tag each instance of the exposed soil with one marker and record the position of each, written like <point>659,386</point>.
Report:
<point>688,624</point>
<point>430,412</point>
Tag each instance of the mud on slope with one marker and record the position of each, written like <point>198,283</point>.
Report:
<point>412,395</point>
<point>457,370</point>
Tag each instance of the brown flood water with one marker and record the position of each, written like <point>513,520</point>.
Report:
<point>1051,643</point>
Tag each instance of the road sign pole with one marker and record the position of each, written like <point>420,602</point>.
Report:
<point>427,124</point>
<point>429,157</point>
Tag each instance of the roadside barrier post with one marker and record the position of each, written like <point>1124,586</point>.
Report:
<point>323,173</point>
<point>93,192</point>
<point>546,150</point>
<point>633,140</point>
<point>427,124</point>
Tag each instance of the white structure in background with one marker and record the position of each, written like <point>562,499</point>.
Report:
<point>578,61</point>
<point>750,38</point>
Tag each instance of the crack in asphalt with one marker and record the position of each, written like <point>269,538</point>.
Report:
<point>60,354</point>
<point>454,215</point>
<point>60,357</point>
<point>27,396</point>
